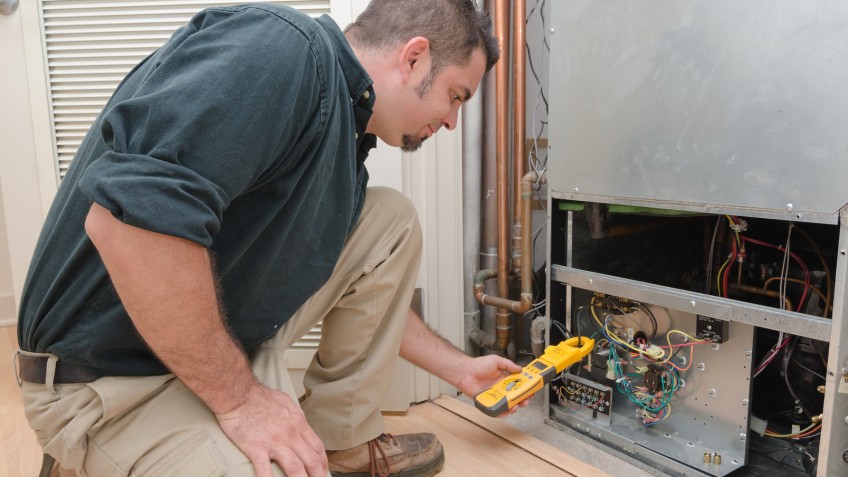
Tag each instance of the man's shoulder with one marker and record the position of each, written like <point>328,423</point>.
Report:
<point>283,18</point>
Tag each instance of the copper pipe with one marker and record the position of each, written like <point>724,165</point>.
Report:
<point>522,306</point>
<point>759,291</point>
<point>504,325</point>
<point>519,126</point>
<point>814,288</point>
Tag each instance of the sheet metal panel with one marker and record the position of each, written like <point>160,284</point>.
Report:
<point>718,106</point>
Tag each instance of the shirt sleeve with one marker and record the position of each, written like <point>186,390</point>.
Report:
<point>203,119</point>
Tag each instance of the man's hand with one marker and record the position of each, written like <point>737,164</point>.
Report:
<point>422,347</point>
<point>485,371</point>
<point>269,426</point>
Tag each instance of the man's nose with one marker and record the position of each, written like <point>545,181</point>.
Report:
<point>450,121</point>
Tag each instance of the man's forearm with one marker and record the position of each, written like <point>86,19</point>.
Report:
<point>424,348</point>
<point>167,286</point>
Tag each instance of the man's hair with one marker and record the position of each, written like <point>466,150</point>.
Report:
<point>453,27</point>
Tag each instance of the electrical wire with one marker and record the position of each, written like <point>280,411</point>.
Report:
<point>828,277</point>
<point>792,392</point>
<point>712,254</point>
<point>806,432</point>
<point>781,342</point>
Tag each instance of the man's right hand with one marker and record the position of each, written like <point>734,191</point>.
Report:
<point>269,426</point>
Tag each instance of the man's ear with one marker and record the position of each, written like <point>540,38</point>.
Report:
<point>414,55</point>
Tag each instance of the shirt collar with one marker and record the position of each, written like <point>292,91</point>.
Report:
<point>359,84</point>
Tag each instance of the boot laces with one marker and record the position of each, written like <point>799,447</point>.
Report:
<point>373,447</point>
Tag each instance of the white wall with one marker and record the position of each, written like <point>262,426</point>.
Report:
<point>19,179</point>
<point>7,298</point>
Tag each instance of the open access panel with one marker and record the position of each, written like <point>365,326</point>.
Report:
<point>697,229</point>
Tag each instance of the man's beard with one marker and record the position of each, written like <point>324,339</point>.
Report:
<point>411,143</point>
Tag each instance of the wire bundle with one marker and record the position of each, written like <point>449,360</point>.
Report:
<point>656,360</point>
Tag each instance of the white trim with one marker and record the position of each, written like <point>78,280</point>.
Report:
<point>433,181</point>
<point>45,154</point>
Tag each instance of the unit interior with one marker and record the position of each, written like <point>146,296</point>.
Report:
<point>682,376</point>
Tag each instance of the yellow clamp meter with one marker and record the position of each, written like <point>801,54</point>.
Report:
<point>519,386</point>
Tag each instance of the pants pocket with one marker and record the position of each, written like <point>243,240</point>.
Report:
<point>197,456</point>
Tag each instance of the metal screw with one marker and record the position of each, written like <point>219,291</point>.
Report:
<point>692,303</point>
<point>745,402</point>
<point>712,392</point>
<point>716,346</point>
<point>748,353</point>
<point>844,372</point>
<point>590,281</point>
<point>576,190</point>
<point>701,366</point>
<point>552,31</point>
<point>789,207</point>
<point>845,456</point>
<point>821,388</point>
<point>742,437</point>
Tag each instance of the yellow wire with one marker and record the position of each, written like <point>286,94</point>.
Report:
<point>687,335</point>
<point>718,277</point>
<point>736,232</point>
<point>610,332</point>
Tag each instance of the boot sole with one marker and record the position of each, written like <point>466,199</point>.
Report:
<point>425,470</point>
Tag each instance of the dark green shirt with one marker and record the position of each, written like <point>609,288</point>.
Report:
<point>244,133</point>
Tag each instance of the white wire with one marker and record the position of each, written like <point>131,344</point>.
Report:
<point>784,269</point>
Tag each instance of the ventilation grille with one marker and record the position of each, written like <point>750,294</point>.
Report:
<point>91,45</point>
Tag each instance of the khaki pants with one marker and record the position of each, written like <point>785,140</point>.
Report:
<point>155,426</point>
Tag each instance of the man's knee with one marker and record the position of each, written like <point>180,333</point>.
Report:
<point>387,209</point>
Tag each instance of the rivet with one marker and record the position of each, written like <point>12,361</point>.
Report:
<point>552,31</point>
<point>745,402</point>
<point>712,392</point>
<point>789,207</point>
<point>692,304</point>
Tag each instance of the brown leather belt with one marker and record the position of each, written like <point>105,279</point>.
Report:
<point>33,369</point>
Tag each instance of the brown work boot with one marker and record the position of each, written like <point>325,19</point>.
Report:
<point>406,455</point>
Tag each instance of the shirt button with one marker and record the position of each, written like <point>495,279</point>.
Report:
<point>356,135</point>
<point>366,94</point>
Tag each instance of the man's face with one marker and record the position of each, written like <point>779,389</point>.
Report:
<point>434,101</point>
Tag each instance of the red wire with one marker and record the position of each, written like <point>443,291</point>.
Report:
<point>733,254</point>
<point>794,257</point>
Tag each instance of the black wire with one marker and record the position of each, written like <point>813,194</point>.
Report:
<point>577,326</point>
<point>653,318</point>
<point>819,351</point>
<point>536,75</point>
<point>798,363</point>
<point>786,360</point>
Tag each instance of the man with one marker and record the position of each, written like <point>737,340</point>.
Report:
<point>215,212</point>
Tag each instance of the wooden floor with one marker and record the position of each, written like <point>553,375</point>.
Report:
<point>475,445</point>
